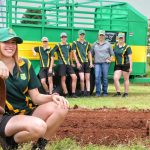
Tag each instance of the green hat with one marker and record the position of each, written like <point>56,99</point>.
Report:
<point>63,34</point>
<point>7,34</point>
<point>121,35</point>
<point>81,32</point>
<point>101,32</point>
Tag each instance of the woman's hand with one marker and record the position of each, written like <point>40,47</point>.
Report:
<point>130,70</point>
<point>4,72</point>
<point>60,100</point>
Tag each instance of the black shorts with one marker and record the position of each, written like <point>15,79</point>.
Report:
<point>124,67</point>
<point>44,73</point>
<point>4,120</point>
<point>65,70</point>
<point>84,68</point>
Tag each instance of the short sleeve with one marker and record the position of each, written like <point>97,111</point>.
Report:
<point>33,80</point>
<point>129,51</point>
<point>36,49</point>
<point>54,50</point>
<point>69,48</point>
<point>74,46</point>
<point>92,49</point>
<point>111,50</point>
<point>89,47</point>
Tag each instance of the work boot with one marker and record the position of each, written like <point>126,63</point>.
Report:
<point>118,94</point>
<point>40,144</point>
<point>8,143</point>
<point>125,95</point>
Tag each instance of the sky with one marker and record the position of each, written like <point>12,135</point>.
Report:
<point>141,5</point>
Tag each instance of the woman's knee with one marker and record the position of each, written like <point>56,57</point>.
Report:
<point>74,78</point>
<point>61,113</point>
<point>37,128</point>
<point>63,79</point>
<point>116,78</point>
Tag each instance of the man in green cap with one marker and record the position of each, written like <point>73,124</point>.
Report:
<point>83,58</point>
<point>46,70</point>
<point>63,51</point>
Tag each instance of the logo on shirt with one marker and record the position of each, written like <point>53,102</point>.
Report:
<point>23,76</point>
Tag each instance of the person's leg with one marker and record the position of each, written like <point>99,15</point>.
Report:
<point>87,71</point>
<point>117,75</point>
<point>43,76</point>
<point>63,84</point>
<point>126,81</point>
<point>62,74</point>
<point>50,81</point>
<point>105,67</point>
<point>73,76</point>
<point>25,128</point>
<point>87,80</point>
<point>53,115</point>
<point>43,82</point>
<point>98,79</point>
<point>81,75</point>
<point>74,82</point>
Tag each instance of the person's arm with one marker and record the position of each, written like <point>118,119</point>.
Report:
<point>75,56</point>
<point>71,59</point>
<point>111,53</point>
<point>40,99</point>
<point>52,61</point>
<point>130,61</point>
<point>4,71</point>
<point>51,65</point>
<point>90,56</point>
<point>34,52</point>
<point>129,53</point>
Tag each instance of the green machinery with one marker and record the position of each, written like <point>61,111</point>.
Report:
<point>32,19</point>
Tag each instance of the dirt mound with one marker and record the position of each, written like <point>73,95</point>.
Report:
<point>104,126</point>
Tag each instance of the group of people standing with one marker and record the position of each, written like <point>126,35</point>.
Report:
<point>83,56</point>
<point>32,116</point>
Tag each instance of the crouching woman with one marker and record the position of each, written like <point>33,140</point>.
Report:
<point>29,115</point>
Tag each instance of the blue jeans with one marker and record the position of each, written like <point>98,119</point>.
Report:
<point>101,78</point>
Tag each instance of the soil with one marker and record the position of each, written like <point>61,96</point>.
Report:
<point>104,126</point>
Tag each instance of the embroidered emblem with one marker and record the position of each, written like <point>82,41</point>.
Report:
<point>23,76</point>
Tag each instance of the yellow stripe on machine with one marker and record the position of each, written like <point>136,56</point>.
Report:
<point>139,53</point>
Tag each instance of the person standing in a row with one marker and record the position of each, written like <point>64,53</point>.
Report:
<point>83,58</point>
<point>63,51</point>
<point>102,53</point>
<point>123,64</point>
<point>46,65</point>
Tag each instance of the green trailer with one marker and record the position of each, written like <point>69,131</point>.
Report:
<point>33,19</point>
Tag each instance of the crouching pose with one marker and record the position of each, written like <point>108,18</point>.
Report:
<point>29,115</point>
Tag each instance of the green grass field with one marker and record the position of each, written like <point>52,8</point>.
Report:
<point>139,98</point>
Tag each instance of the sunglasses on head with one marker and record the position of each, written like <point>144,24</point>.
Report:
<point>45,41</point>
<point>64,37</point>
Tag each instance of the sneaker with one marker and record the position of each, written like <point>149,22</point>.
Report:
<point>74,95</point>
<point>66,95</point>
<point>87,93</point>
<point>8,143</point>
<point>98,94</point>
<point>105,95</point>
<point>40,144</point>
<point>117,94</point>
<point>125,95</point>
